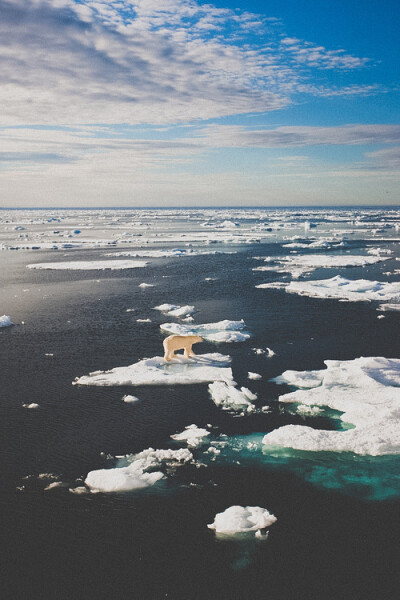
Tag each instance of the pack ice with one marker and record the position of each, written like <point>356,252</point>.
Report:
<point>340,288</point>
<point>157,371</point>
<point>222,331</point>
<point>365,390</point>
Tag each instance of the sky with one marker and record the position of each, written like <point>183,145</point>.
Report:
<point>131,103</point>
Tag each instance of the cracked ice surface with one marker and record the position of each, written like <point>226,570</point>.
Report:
<point>157,371</point>
<point>365,390</point>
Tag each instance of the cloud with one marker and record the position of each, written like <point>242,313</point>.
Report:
<point>297,136</point>
<point>148,61</point>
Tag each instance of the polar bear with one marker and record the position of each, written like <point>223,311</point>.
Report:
<point>180,342</point>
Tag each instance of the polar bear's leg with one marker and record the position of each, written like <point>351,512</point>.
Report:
<point>188,352</point>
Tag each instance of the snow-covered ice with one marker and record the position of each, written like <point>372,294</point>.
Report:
<point>242,519</point>
<point>341,288</point>
<point>229,397</point>
<point>222,331</point>
<point>174,310</point>
<point>139,473</point>
<point>130,399</point>
<point>194,436</point>
<point>251,375</point>
<point>81,265</point>
<point>365,390</point>
<point>157,371</point>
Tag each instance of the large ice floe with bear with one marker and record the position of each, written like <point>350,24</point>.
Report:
<point>222,331</point>
<point>340,288</point>
<point>204,368</point>
<point>367,393</point>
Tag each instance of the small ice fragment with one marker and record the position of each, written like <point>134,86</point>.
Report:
<point>192,435</point>
<point>145,285</point>
<point>5,321</point>
<point>32,405</point>
<point>251,375</point>
<point>242,519</point>
<point>130,399</point>
<point>143,320</point>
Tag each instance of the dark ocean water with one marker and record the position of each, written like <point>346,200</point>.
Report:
<point>332,541</point>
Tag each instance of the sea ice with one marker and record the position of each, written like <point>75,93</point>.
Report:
<point>194,436</point>
<point>5,321</point>
<point>130,399</point>
<point>157,371</point>
<point>100,265</point>
<point>242,519</point>
<point>146,285</point>
<point>229,397</point>
<point>32,405</point>
<point>222,331</point>
<point>172,310</point>
<point>365,390</point>
<point>139,473</point>
<point>341,289</point>
<point>251,375</point>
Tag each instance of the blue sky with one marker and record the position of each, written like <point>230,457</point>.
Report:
<point>185,103</point>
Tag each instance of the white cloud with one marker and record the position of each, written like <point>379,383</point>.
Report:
<point>147,61</point>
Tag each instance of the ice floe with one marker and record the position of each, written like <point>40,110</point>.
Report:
<point>139,472</point>
<point>157,371</point>
<point>194,436</point>
<point>365,390</point>
<point>32,405</point>
<point>81,265</point>
<point>5,321</point>
<point>341,288</point>
<point>251,375</point>
<point>229,397</point>
<point>222,331</point>
<point>130,399</point>
<point>242,519</point>
<point>173,310</point>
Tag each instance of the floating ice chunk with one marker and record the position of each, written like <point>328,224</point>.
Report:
<point>194,436</point>
<point>176,311</point>
<point>251,375</point>
<point>32,405</point>
<point>365,390</point>
<point>130,399</point>
<point>157,371</point>
<point>100,265</point>
<point>222,331</point>
<point>388,306</point>
<point>307,411</point>
<point>5,321</point>
<point>229,397</point>
<point>379,251</point>
<point>242,519</point>
<point>341,289</point>
<point>139,473</point>
<point>143,320</point>
<point>146,285</point>
<point>267,351</point>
